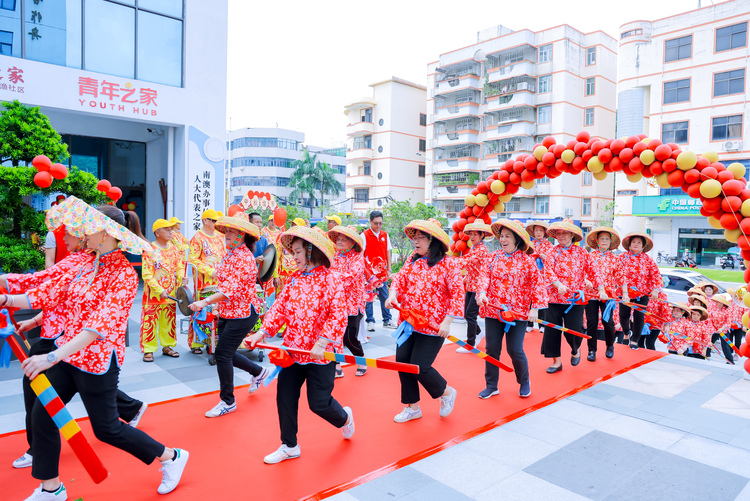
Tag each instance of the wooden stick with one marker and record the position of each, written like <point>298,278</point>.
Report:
<point>480,354</point>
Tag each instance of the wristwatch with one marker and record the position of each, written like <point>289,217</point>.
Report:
<point>51,357</point>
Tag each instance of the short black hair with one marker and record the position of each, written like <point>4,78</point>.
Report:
<point>250,241</point>
<point>374,214</point>
<point>253,214</point>
<point>643,240</point>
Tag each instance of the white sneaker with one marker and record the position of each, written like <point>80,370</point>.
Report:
<point>408,414</point>
<point>446,403</point>
<point>24,461</point>
<point>171,471</point>
<point>40,495</point>
<point>134,422</point>
<point>282,453</point>
<point>461,349</point>
<point>257,381</point>
<point>221,408</point>
<point>348,429</point>
<point>371,326</point>
<point>390,324</point>
<point>479,337</point>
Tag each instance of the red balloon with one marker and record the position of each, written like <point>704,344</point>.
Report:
<point>615,165</point>
<point>558,150</point>
<point>519,166</point>
<point>605,155</point>
<point>114,193</point>
<point>702,163</point>
<point>58,171</point>
<point>617,146</point>
<point>646,172</point>
<point>692,175</point>
<point>60,197</point>
<point>596,147</point>
<point>549,159</point>
<point>745,194</point>
<point>676,178</point>
<point>529,162</point>
<point>103,185</point>
<point>656,168</point>
<point>746,365</point>
<point>655,143</point>
<point>631,141</point>
<point>674,146</point>
<point>639,148</point>
<point>477,210</point>
<point>548,141</point>
<point>733,187</point>
<point>712,204</point>
<point>42,163</point>
<point>515,180</point>
<point>662,152</point>
<point>512,188</point>
<point>725,176</point>
<point>42,179</point>
<point>626,155</point>
<point>635,165</point>
<point>745,255</point>
<point>471,219</point>
<point>669,165</point>
<point>583,136</point>
<point>719,166</point>
<point>560,166</point>
<point>709,173</point>
<point>460,246</point>
<point>704,212</point>
<point>731,204</point>
<point>475,192</point>
<point>578,163</point>
<point>579,148</point>
<point>743,242</point>
<point>482,187</point>
<point>527,176</point>
<point>642,136</point>
<point>587,155</point>
<point>486,218</point>
<point>571,144</point>
<point>676,153</point>
<point>745,226</point>
<point>730,221</point>
<point>504,176</point>
<point>744,347</point>
<point>461,224</point>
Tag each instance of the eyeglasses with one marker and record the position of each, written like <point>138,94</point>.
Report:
<point>374,223</point>
<point>212,220</point>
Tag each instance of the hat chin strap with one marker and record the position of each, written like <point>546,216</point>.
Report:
<point>236,242</point>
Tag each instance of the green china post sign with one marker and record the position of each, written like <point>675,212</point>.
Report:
<point>667,205</point>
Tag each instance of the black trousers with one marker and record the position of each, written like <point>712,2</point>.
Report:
<point>593,308</point>
<point>638,319</point>
<point>735,336</point>
<point>514,343</point>
<point>99,395</point>
<point>351,335</point>
<point>552,337</point>
<point>649,342</point>
<point>127,406</point>
<point>231,333</point>
<point>319,379</point>
<point>471,311</point>
<point>422,350</point>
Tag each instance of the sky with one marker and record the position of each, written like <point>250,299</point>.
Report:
<point>298,63</point>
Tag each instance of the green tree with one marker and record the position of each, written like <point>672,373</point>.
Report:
<point>311,176</point>
<point>396,215</point>
<point>26,132</point>
<point>326,182</point>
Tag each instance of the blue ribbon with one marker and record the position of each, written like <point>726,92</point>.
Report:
<point>269,379</point>
<point>200,334</point>
<point>578,296</point>
<point>500,317</point>
<point>402,333</point>
<point>270,300</point>
<point>608,309</point>
<point>6,352</point>
<point>646,329</point>
<point>539,263</point>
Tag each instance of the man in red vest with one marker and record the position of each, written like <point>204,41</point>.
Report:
<point>377,254</point>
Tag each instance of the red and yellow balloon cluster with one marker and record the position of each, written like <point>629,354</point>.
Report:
<point>128,206</point>
<point>46,171</point>
<point>113,192</point>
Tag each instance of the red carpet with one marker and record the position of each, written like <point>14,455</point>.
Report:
<point>226,454</point>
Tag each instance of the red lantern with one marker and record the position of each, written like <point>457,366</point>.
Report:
<point>103,185</point>
<point>279,217</point>
<point>114,193</point>
<point>60,198</point>
<point>42,163</point>
<point>58,171</point>
<point>42,179</point>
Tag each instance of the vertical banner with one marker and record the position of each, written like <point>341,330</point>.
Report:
<point>205,183</point>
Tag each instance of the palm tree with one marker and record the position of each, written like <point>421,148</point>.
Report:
<point>326,182</point>
<point>310,176</point>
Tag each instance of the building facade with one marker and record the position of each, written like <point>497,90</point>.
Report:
<point>137,92</point>
<point>495,99</point>
<point>386,145</point>
<point>262,160</point>
<point>682,79</point>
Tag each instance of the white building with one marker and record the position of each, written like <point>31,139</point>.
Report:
<point>261,160</point>
<point>138,93</point>
<point>682,79</point>
<point>495,99</point>
<point>386,146</point>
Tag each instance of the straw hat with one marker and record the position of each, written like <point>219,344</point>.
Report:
<point>477,226</point>
<point>349,232</point>
<point>530,226</point>
<point>626,241</point>
<point>210,214</point>
<point>681,305</point>
<point>75,213</point>
<point>336,219</point>
<point>695,290</point>
<point>700,299</point>
<point>240,222</point>
<point>705,284</point>
<point>309,235</point>
<point>702,310</point>
<point>431,227</point>
<point>516,228</point>
<point>594,236</point>
<point>724,299</point>
<point>565,225</point>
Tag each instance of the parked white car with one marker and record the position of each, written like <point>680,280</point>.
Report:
<point>678,281</point>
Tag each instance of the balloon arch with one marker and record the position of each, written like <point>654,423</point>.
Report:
<point>722,190</point>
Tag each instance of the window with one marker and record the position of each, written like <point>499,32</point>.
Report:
<point>422,119</point>
<point>627,193</point>
<point>586,210</point>
<point>678,48</point>
<point>588,117</point>
<point>545,53</point>
<point>590,86</point>
<point>586,178</point>
<point>544,114</point>
<point>726,128</point>
<point>542,205</point>
<point>545,84</point>
<point>731,37</point>
<point>367,117</point>
<point>6,43</point>
<point>422,145</point>
<point>159,49</point>
<point>676,283</point>
<point>631,33</point>
<point>367,168</point>
<point>361,195</point>
<point>677,91</point>
<point>729,82</point>
<point>675,132</point>
<point>421,170</point>
<point>544,180</point>
<point>590,56</point>
<point>264,142</point>
<point>8,4</point>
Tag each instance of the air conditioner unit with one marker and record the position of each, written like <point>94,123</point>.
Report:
<point>568,212</point>
<point>731,146</point>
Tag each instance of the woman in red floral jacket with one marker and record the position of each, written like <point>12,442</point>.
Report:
<point>662,309</point>
<point>474,262</point>
<point>429,284</point>
<point>642,280</point>
<point>510,283</point>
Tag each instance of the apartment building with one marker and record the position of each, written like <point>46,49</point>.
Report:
<point>682,79</point>
<point>495,99</point>
<point>386,145</point>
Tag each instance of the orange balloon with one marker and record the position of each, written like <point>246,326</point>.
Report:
<point>279,217</point>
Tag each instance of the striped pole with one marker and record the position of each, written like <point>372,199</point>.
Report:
<point>471,349</point>
<point>638,307</point>
<point>730,343</point>
<point>563,329</point>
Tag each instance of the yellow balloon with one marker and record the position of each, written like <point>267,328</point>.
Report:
<point>568,156</point>
<point>746,320</point>
<point>710,188</point>
<point>646,140</point>
<point>745,209</point>
<point>686,160</point>
<point>634,178</point>
<point>595,165</point>
<point>499,207</point>
<point>662,181</point>
<point>481,200</point>
<point>711,156</point>
<point>497,187</point>
<point>732,235</point>
<point>714,222</point>
<point>506,197</point>
<point>539,152</point>
<point>737,169</point>
<point>647,157</point>
<point>527,185</point>
<point>746,300</point>
<point>470,201</point>
<point>469,244</point>
<point>601,175</point>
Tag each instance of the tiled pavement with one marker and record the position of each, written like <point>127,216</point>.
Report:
<point>674,429</point>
